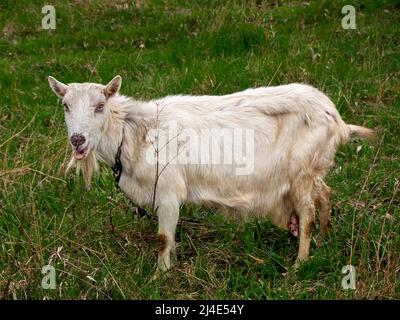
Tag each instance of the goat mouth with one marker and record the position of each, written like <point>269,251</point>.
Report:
<point>80,153</point>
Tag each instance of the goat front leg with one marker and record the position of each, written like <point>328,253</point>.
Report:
<point>168,215</point>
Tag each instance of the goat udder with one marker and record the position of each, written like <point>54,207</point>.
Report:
<point>294,225</point>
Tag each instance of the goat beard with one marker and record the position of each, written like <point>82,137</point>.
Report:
<point>88,166</point>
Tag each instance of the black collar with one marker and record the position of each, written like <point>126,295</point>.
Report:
<point>117,171</point>
<point>117,167</point>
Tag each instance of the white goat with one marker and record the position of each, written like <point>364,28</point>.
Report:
<point>294,133</point>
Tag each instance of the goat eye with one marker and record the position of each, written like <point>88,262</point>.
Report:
<point>66,109</point>
<point>99,107</point>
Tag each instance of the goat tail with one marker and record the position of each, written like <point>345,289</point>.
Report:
<point>361,132</point>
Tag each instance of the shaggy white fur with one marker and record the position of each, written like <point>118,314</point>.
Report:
<point>295,128</point>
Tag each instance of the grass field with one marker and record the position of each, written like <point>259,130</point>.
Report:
<point>99,247</point>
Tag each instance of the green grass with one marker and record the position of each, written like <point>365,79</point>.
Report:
<point>194,47</point>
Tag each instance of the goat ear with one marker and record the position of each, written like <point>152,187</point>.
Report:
<point>59,88</point>
<point>113,86</point>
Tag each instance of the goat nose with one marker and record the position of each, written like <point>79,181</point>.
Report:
<point>77,140</point>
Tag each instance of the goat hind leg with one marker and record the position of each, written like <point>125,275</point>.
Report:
<point>307,218</point>
<point>304,206</point>
<point>324,208</point>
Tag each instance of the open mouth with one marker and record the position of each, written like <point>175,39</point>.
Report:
<point>80,153</point>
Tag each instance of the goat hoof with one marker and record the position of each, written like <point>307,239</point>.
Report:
<point>298,263</point>
<point>156,276</point>
<point>160,274</point>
